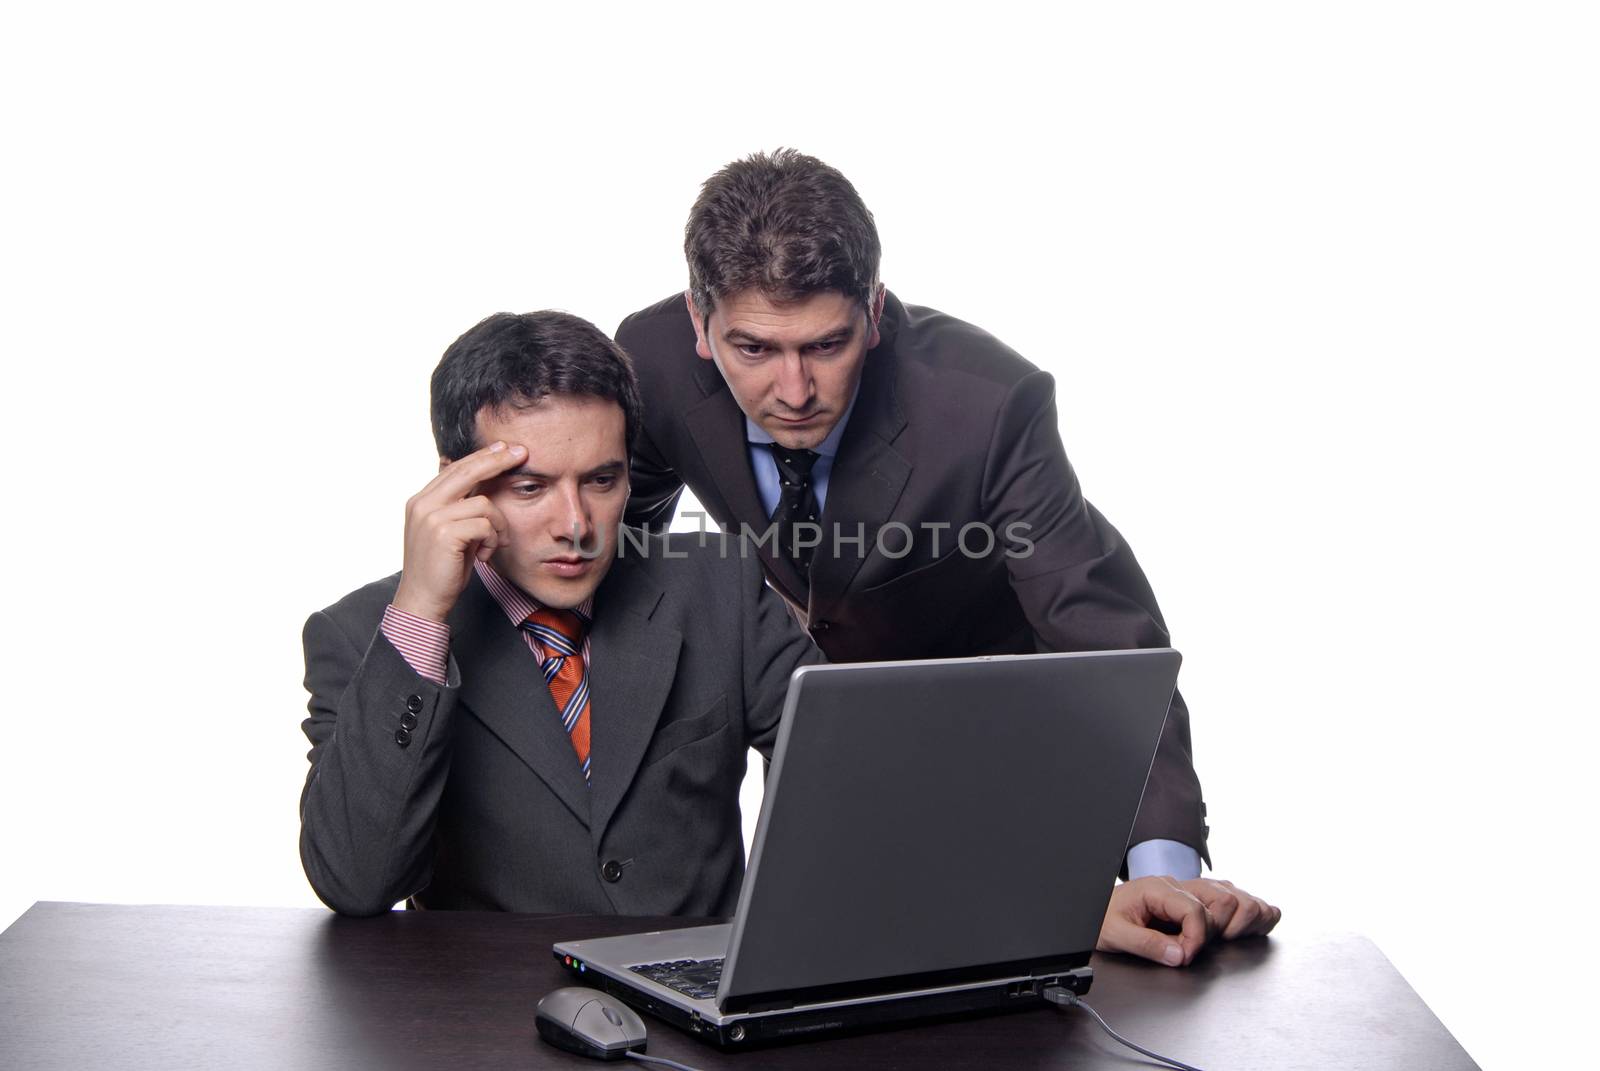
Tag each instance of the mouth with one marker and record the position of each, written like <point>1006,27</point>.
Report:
<point>569,565</point>
<point>797,420</point>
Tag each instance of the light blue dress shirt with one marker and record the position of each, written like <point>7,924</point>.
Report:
<point>1168,857</point>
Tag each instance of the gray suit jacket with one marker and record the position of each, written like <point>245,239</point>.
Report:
<point>950,428</point>
<point>484,805</point>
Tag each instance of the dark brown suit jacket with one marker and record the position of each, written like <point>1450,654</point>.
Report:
<point>950,428</point>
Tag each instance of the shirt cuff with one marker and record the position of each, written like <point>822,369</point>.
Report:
<point>424,644</point>
<point>1170,858</point>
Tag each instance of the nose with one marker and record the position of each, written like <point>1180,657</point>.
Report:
<point>571,520</point>
<point>793,385</point>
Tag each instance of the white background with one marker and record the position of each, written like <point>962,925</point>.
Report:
<point>1318,287</point>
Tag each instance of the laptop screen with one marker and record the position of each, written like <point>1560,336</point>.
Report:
<point>927,820</point>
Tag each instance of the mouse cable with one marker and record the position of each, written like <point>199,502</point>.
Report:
<point>1066,998</point>
<point>662,1060</point>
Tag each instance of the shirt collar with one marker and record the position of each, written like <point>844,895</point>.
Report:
<point>828,447</point>
<point>514,601</point>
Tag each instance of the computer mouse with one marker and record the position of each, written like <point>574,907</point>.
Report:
<point>589,1023</point>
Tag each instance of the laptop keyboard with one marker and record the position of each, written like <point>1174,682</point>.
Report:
<point>694,978</point>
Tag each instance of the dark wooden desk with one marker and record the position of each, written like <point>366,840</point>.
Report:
<point>89,985</point>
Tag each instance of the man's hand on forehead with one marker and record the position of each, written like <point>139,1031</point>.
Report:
<point>449,524</point>
<point>464,476</point>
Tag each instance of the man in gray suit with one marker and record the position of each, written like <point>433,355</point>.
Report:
<point>442,769</point>
<point>546,712</point>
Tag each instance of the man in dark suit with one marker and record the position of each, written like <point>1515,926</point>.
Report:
<point>901,471</point>
<point>543,711</point>
<point>454,707</point>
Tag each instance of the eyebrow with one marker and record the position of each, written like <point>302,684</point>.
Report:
<point>524,472</point>
<point>738,335</point>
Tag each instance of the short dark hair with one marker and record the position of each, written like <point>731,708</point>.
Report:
<point>524,357</point>
<point>783,223</point>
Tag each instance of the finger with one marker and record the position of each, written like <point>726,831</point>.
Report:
<point>473,506</point>
<point>484,507</point>
<point>1122,934</point>
<point>460,478</point>
<point>1251,915</point>
<point>1197,930</point>
<point>1221,902</point>
<point>476,506</point>
<point>1265,920</point>
<point>1166,901</point>
<point>469,535</point>
<point>1246,918</point>
<point>502,527</point>
<point>1224,911</point>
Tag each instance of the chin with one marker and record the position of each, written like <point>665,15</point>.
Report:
<point>562,597</point>
<point>799,439</point>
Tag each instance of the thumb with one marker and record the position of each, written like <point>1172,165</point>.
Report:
<point>1122,934</point>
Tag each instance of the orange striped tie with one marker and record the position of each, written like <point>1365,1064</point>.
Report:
<point>560,633</point>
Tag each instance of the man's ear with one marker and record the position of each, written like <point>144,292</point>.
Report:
<point>701,346</point>
<point>874,314</point>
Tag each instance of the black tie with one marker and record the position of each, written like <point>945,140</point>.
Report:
<point>797,504</point>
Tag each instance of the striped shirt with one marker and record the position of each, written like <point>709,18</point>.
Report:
<point>425,645</point>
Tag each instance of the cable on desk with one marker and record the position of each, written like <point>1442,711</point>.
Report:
<point>662,1060</point>
<point>1066,998</point>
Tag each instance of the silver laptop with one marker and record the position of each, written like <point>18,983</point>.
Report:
<point>936,837</point>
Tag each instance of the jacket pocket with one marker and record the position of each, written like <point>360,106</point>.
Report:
<point>914,576</point>
<point>684,731</point>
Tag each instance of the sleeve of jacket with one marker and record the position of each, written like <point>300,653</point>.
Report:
<point>371,795</point>
<point>653,486</point>
<point>775,646</point>
<point>1080,586</point>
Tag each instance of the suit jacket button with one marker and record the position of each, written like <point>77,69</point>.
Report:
<point>408,720</point>
<point>414,704</point>
<point>402,737</point>
<point>611,870</point>
<point>821,626</point>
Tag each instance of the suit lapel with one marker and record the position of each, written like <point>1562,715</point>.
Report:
<point>501,685</point>
<point>633,661</point>
<point>868,475</point>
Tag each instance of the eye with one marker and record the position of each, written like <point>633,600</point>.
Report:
<point>605,480</point>
<point>830,346</point>
<point>526,488</point>
<point>751,349</point>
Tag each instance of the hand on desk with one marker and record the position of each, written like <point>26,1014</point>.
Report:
<point>1202,909</point>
